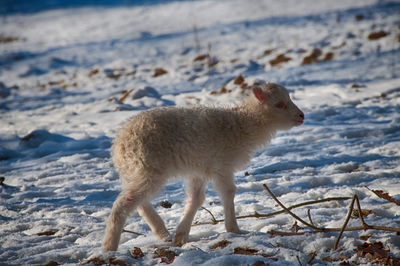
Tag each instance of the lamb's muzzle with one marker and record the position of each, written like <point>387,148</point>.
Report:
<point>200,144</point>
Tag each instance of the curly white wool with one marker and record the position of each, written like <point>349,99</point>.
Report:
<point>199,144</point>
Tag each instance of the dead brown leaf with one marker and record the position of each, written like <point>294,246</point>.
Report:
<point>364,213</point>
<point>93,72</point>
<point>385,196</point>
<point>137,253</point>
<point>313,57</point>
<point>225,90</point>
<point>376,253</point>
<point>329,259</point>
<point>55,83</point>
<point>245,251</point>
<point>114,261</point>
<point>46,233</point>
<point>167,256</point>
<point>111,261</point>
<point>356,86</point>
<point>96,261</point>
<point>238,80</point>
<point>201,57</point>
<point>282,58</point>
<point>221,244</point>
<point>268,51</point>
<point>7,39</point>
<point>328,56</point>
<point>159,72</point>
<point>377,35</point>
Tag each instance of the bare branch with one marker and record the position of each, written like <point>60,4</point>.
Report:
<point>214,221</point>
<point>345,222</point>
<point>289,212</point>
<point>312,256</point>
<point>309,216</point>
<point>360,213</point>
<point>298,260</point>
<point>268,215</point>
<point>127,231</point>
<point>356,228</point>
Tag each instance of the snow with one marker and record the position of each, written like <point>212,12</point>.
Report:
<point>63,77</point>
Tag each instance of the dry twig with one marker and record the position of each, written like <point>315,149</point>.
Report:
<point>127,231</point>
<point>288,211</point>
<point>340,230</point>
<point>345,223</point>
<point>268,215</point>
<point>309,216</point>
<point>214,221</point>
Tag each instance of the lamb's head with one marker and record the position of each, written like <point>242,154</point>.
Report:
<point>277,105</point>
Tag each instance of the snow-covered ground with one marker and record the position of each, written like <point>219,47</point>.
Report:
<point>69,78</point>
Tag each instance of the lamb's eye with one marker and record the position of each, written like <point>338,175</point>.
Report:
<point>280,105</point>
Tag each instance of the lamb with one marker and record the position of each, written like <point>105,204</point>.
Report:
<point>201,144</point>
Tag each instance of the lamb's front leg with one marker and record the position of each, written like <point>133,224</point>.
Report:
<point>195,197</point>
<point>227,189</point>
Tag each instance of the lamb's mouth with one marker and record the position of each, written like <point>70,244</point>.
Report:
<point>299,122</point>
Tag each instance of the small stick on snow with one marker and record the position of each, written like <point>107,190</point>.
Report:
<point>268,215</point>
<point>356,228</point>
<point>345,222</point>
<point>127,231</point>
<point>360,214</point>
<point>214,221</point>
<point>309,216</point>
<point>298,260</point>
<point>312,257</point>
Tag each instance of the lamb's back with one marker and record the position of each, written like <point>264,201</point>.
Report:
<point>177,138</point>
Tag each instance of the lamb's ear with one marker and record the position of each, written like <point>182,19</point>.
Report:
<point>260,95</point>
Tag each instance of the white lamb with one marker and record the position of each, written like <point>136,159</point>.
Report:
<point>200,144</point>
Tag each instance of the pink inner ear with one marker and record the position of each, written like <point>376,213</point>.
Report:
<point>259,94</point>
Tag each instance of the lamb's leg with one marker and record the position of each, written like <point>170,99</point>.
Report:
<point>127,201</point>
<point>154,220</point>
<point>226,188</point>
<point>195,197</point>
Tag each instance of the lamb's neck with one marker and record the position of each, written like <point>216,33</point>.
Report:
<point>257,126</point>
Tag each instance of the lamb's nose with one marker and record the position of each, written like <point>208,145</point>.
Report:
<point>301,115</point>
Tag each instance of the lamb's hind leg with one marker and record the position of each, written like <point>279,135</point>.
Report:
<point>195,197</point>
<point>227,189</point>
<point>155,222</point>
<point>129,198</point>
